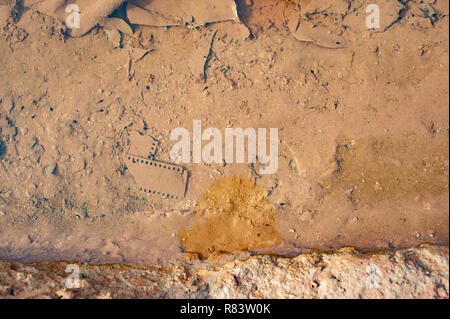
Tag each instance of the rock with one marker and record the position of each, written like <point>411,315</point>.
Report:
<point>412,273</point>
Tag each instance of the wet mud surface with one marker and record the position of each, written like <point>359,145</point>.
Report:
<point>363,134</point>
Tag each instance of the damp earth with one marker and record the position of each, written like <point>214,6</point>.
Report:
<point>363,133</point>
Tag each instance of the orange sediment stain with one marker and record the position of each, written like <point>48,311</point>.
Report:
<point>234,215</point>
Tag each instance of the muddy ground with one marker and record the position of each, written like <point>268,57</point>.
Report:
<point>363,135</point>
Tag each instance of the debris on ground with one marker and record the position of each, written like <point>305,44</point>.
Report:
<point>152,176</point>
<point>199,59</point>
<point>157,178</point>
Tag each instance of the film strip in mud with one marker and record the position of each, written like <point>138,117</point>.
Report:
<point>158,178</point>
<point>142,145</point>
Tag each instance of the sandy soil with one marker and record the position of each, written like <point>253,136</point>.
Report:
<point>363,134</point>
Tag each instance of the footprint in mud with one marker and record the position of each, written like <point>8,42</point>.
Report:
<point>234,215</point>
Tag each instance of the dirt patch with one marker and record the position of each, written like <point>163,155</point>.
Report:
<point>233,216</point>
<point>381,168</point>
